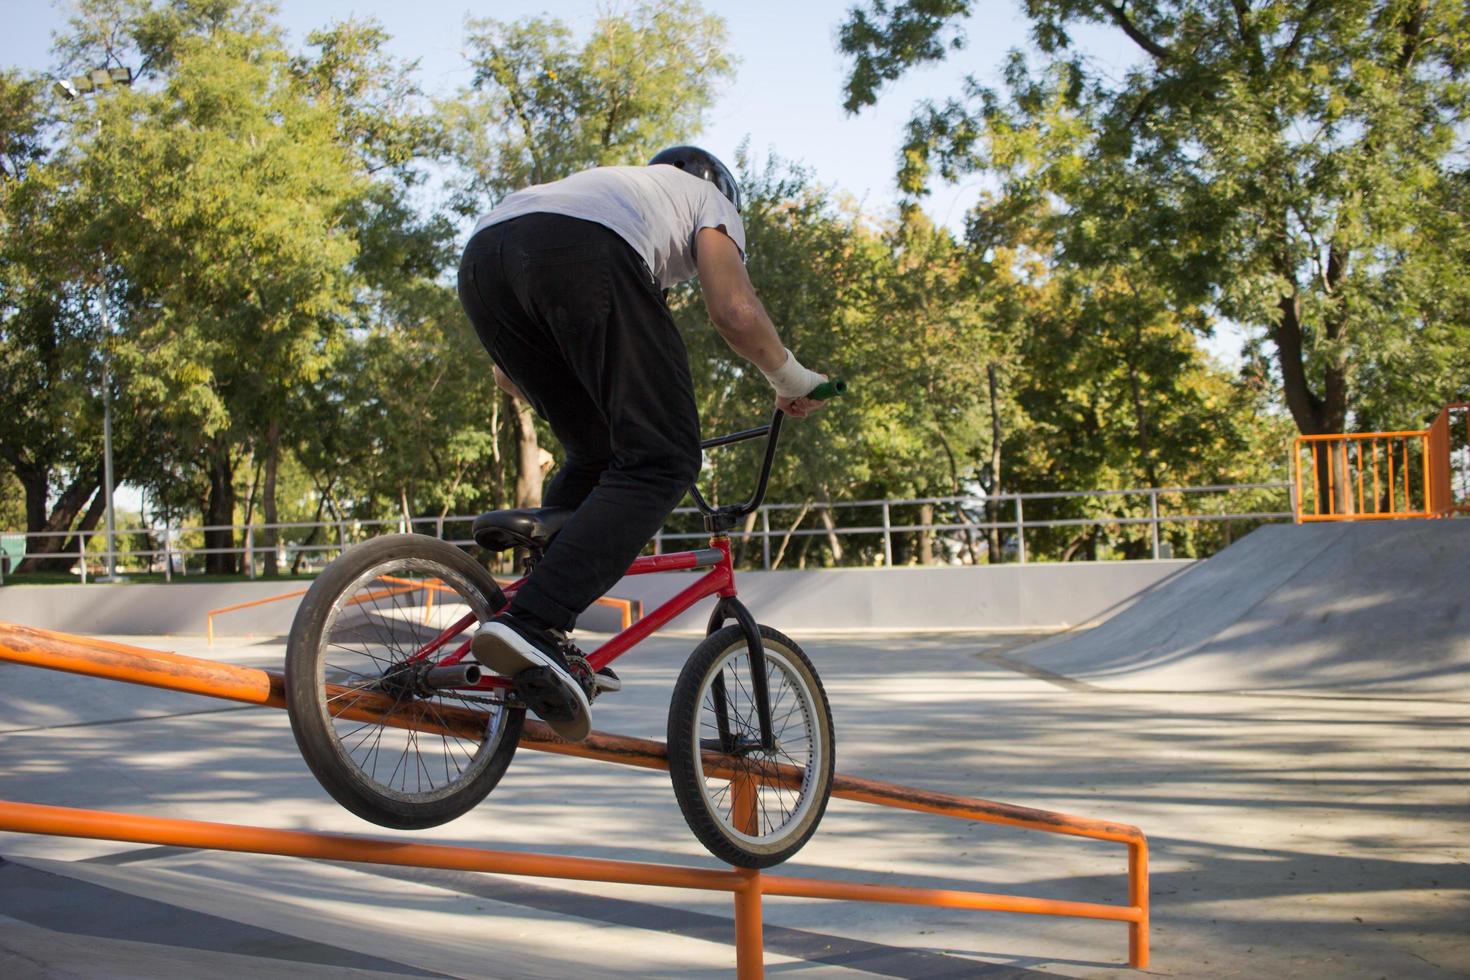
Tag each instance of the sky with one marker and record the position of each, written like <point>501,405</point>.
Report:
<point>786,97</point>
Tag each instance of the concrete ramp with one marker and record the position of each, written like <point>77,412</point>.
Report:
<point>1371,608</point>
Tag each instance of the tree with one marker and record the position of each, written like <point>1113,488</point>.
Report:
<point>891,309</point>
<point>1282,165</point>
<point>389,132</point>
<point>53,279</point>
<point>225,191</point>
<point>542,107</point>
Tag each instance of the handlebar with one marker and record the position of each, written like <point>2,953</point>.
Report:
<point>828,389</point>
<point>719,519</point>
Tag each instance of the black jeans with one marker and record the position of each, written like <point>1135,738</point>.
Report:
<point>571,313</point>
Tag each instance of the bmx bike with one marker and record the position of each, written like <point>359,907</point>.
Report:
<point>401,726</point>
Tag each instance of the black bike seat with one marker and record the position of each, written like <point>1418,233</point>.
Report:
<point>532,528</point>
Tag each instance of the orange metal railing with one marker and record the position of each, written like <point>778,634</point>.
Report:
<point>114,661</point>
<point>1445,497</point>
<point>628,609</point>
<point>1372,476</point>
<point>1362,477</point>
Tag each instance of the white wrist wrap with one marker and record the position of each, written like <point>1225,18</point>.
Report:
<point>791,380</point>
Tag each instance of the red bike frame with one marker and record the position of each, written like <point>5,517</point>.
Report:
<point>718,581</point>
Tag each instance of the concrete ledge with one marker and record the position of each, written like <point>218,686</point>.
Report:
<point>178,609</point>
<point>986,597</point>
<point>1000,597</point>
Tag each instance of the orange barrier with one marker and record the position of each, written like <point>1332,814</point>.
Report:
<point>209,617</point>
<point>1363,477</point>
<point>624,606</point>
<point>630,609</point>
<point>114,661</point>
<point>1441,492</point>
<point>1373,476</point>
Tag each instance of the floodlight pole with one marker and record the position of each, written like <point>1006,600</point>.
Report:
<point>71,89</point>
<point>107,435</point>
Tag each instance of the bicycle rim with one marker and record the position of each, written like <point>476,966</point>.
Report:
<point>776,812</point>
<point>375,625</point>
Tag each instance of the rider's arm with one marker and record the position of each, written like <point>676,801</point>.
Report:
<point>737,312</point>
<point>503,382</point>
<point>733,305</point>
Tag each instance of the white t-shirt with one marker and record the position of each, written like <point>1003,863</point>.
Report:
<point>657,210</point>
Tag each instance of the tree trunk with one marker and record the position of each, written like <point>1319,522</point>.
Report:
<point>528,453</point>
<point>219,512</point>
<point>88,524</point>
<point>1313,414</point>
<point>992,506</point>
<point>1140,422</point>
<point>33,480</point>
<point>802,549</point>
<point>743,543</point>
<point>497,457</point>
<point>832,541</point>
<point>63,515</point>
<point>268,537</point>
<point>321,503</point>
<point>786,539</point>
<point>926,537</point>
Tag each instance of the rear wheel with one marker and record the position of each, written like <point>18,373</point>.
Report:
<point>379,738</point>
<point>752,807</point>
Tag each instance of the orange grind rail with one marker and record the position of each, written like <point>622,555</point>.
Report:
<point>135,665</point>
<point>628,609</point>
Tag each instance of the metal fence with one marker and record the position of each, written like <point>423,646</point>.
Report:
<point>1371,476</point>
<point>959,531</point>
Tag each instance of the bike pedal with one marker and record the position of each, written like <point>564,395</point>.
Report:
<point>606,681</point>
<point>541,691</point>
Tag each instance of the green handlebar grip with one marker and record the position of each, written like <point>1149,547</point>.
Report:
<point>828,389</point>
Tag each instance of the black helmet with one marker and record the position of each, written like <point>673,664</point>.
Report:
<point>702,164</point>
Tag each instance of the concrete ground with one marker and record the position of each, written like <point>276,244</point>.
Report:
<point>1311,836</point>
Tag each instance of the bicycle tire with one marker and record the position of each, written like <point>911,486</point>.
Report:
<point>340,620</point>
<point>710,810</point>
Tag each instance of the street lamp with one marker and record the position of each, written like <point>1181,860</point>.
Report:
<point>71,89</point>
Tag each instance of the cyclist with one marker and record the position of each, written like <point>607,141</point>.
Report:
<point>565,284</point>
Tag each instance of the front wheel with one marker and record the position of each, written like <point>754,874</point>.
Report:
<point>751,806</point>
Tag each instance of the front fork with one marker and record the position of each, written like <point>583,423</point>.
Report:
<point>730,607</point>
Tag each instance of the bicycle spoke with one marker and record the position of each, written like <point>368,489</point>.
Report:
<point>365,650</point>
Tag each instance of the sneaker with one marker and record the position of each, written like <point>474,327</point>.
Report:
<point>533,658</point>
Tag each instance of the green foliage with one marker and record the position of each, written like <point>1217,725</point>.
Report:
<point>284,341</point>
<point>894,311</point>
<point>12,499</point>
<point>1285,166</point>
<point>541,107</point>
<point>886,41</point>
<point>49,369</point>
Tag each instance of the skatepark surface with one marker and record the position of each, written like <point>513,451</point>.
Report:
<point>1285,721</point>
<point>1382,608</point>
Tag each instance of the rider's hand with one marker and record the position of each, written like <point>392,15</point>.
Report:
<point>799,408</point>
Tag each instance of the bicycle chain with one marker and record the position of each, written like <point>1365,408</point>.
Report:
<point>479,699</point>
<point>579,668</point>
